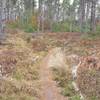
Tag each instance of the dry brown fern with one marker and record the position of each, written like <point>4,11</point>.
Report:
<point>88,77</point>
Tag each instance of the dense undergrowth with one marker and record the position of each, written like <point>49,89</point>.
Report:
<point>87,78</point>
<point>30,25</point>
<point>23,53</point>
<point>20,67</point>
<point>64,80</point>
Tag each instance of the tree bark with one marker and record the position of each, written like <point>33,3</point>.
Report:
<point>93,16</point>
<point>2,20</point>
<point>82,15</point>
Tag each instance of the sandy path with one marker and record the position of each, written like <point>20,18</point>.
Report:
<point>50,91</point>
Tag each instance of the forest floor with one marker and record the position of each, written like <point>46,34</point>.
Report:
<point>50,91</point>
<point>39,64</point>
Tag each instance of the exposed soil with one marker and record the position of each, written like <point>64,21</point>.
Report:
<point>50,91</point>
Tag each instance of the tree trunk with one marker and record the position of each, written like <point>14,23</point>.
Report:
<point>0,16</point>
<point>39,15</point>
<point>82,15</point>
<point>2,21</point>
<point>93,15</point>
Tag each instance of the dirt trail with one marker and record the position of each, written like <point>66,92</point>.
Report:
<point>50,91</point>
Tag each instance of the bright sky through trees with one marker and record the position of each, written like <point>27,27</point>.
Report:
<point>71,1</point>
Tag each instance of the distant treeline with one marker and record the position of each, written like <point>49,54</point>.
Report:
<point>50,15</point>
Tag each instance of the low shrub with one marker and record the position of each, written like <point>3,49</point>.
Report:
<point>61,27</point>
<point>88,79</point>
<point>14,90</point>
<point>61,76</point>
<point>98,29</point>
<point>76,97</point>
<point>64,80</point>
<point>29,25</point>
